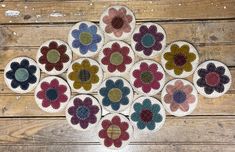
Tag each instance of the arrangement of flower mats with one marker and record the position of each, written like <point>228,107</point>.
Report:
<point>115,74</point>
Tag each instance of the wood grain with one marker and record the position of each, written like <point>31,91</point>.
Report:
<point>68,11</point>
<point>208,24</point>
<point>96,147</point>
<point>217,130</point>
<point>25,106</point>
<point>196,32</point>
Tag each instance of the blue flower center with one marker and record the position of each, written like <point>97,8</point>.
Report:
<point>21,74</point>
<point>179,96</point>
<point>52,94</point>
<point>83,112</point>
<point>85,38</point>
<point>84,75</point>
<point>148,40</point>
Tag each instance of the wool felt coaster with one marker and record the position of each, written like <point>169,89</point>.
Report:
<point>147,114</point>
<point>83,112</point>
<point>54,57</point>
<point>115,94</point>
<point>212,79</point>
<point>179,97</point>
<point>21,74</point>
<point>180,59</point>
<point>147,77</point>
<point>84,75</point>
<point>116,58</point>
<point>52,94</point>
<point>85,39</point>
<point>115,131</point>
<point>148,40</point>
<point>117,22</point>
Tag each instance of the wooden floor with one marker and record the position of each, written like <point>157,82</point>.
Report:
<point>209,24</point>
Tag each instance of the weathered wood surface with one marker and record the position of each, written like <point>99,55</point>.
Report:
<point>25,106</point>
<point>67,147</point>
<point>217,130</point>
<point>73,11</point>
<point>208,24</point>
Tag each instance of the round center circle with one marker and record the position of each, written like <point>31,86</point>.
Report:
<point>179,59</point>
<point>116,58</point>
<point>52,94</point>
<point>146,115</point>
<point>53,56</point>
<point>84,75</point>
<point>114,132</point>
<point>21,74</point>
<point>85,38</point>
<point>148,40</point>
<point>83,112</point>
<point>212,79</point>
<point>117,22</point>
<point>115,95</point>
<point>179,96</point>
<point>147,77</point>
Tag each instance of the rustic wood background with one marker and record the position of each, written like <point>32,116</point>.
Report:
<point>25,25</point>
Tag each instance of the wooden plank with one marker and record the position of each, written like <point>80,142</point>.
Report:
<point>25,106</point>
<point>221,52</point>
<point>195,32</point>
<point>129,148</point>
<point>199,130</point>
<point>73,11</point>
<point>5,90</point>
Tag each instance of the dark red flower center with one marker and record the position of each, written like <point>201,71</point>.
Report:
<point>146,115</point>
<point>84,75</point>
<point>146,77</point>
<point>51,94</point>
<point>116,58</point>
<point>82,112</point>
<point>53,56</point>
<point>179,96</point>
<point>148,40</point>
<point>117,22</point>
<point>115,95</point>
<point>212,79</point>
<point>114,132</point>
<point>180,59</point>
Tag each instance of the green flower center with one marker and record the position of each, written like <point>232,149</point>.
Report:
<point>117,22</point>
<point>21,74</point>
<point>85,38</point>
<point>51,94</point>
<point>179,96</point>
<point>116,58</point>
<point>83,112</point>
<point>179,59</point>
<point>114,132</point>
<point>115,95</point>
<point>53,56</point>
<point>84,75</point>
<point>147,77</point>
<point>212,79</point>
<point>146,115</point>
<point>148,40</point>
